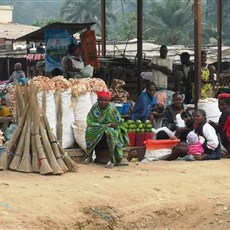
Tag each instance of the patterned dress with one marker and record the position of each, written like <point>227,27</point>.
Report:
<point>98,121</point>
<point>206,88</point>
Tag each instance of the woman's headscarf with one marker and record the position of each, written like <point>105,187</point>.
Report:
<point>225,97</point>
<point>18,65</point>
<point>105,94</point>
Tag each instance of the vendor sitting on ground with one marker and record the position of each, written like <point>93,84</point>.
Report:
<point>18,76</point>
<point>144,105</point>
<point>223,126</point>
<point>170,127</point>
<point>104,123</point>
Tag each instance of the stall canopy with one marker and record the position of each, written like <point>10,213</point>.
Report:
<point>39,35</point>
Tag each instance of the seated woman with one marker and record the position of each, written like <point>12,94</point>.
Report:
<point>104,123</point>
<point>18,76</point>
<point>169,124</point>
<point>223,126</point>
<point>144,105</point>
<point>207,135</point>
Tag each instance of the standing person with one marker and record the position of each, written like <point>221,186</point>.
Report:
<point>104,125</point>
<point>223,126</point>
<point>18,75</point>
<point>207,78</point>
<point>73,63</point>
<point>205,131</point>
<point>187,73</point>
<point>169,124</point>
<point>144,105</point>
<point>162,68</point>
<point>40,49</point>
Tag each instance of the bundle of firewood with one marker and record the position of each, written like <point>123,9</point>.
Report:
<point>33,147</point>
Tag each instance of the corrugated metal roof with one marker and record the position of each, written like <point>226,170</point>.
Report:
<point>13,31</point>
<point>39,34</point>
<point>151,49</point>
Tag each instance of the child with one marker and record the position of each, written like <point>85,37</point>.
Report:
<point>195,148</point>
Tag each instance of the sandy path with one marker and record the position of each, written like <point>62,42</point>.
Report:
<point>157,195</point>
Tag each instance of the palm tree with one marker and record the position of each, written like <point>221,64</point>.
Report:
<point>84,11</point>
<point>169,22</point>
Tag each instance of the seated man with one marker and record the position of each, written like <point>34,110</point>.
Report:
<point>104,122</point>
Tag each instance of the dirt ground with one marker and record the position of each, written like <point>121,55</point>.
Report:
<point>156,195</point>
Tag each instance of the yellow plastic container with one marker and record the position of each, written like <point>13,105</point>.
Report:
<point>5,111</point>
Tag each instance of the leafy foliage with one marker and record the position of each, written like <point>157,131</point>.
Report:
<point>164,21</point>
<point>84,11</point>
<point>171,22</point>
<point>47,22</point>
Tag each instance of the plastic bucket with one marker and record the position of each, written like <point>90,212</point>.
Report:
<point>139,140</point>
<point>148,135</point>
<point>161,144</point>
<point>119,107</point>
<point>125,108</point>
<point>131,139</point>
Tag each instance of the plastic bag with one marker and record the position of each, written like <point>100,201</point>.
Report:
<point>9,132</point>
<point>87,71</point>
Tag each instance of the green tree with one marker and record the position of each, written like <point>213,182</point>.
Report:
<point>84,11</point>
<point>47,22</point>
<point>169,22</point>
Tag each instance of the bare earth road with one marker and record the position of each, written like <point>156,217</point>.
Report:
<point>157,195</point>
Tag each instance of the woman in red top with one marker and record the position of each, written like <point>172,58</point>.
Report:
<point>223,126</point>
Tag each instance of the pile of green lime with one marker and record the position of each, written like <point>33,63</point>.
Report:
<point>137,126</point>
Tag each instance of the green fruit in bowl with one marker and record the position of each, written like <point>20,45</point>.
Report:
<point>129,122</point>
<point>140,126</point>
<point>149,126</point>
<point>131,126</point>
<point>138,130</point>
<point>138,122</point>
<point>142,130</point>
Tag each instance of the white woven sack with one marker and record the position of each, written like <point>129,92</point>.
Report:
<point>67,119</point>
<point>212,110</point>
<point>50,108</point>
<point>79,128</point>
<point>155,155</point>
<point>82,106</point>
<point>93,97</point>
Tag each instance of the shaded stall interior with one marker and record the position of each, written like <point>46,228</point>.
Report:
<point>36,64</point>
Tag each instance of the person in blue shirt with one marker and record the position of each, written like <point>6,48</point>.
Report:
<point>145,103</point>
